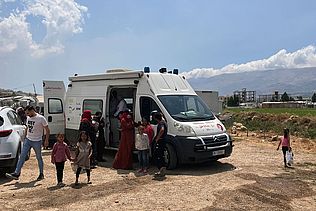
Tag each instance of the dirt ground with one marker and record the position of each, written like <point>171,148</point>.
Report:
<point>253,178</point>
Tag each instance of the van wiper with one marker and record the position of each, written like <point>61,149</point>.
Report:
<point>203,118</point>
<point>198,118</point>
<point>180,117</point>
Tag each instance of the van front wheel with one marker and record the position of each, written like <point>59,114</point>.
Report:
<point>170,157</point>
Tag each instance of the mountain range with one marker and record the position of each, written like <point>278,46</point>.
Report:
<point>299,81</point>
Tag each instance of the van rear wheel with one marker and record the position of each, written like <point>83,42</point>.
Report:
<point>170,157</point>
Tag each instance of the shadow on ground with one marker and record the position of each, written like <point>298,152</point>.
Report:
<point>266,193</point>
<point>23,185</point>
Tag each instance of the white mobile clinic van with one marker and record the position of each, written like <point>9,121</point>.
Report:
<point>194,133</point>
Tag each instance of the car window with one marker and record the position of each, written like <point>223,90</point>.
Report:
<point>17,118</point>
<point>1,121</point>
<point>11,118</point>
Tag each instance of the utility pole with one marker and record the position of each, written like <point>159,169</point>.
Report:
<point>34,90</point>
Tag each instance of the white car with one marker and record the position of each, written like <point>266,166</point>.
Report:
<point>11,137</point>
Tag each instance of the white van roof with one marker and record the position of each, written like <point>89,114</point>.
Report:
<point>168,84</point>
<point>112,74</point>
<point>160,83</point>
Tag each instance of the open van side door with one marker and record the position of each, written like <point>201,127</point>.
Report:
<point>54,106</point>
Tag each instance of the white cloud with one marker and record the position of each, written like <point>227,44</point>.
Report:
<point>305,57</point>
<point>14,33</point>
<point>61,19</point>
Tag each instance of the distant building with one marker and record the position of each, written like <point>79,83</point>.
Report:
<point>270,97</point>
<point>245,96</point>
<point>212,101</point>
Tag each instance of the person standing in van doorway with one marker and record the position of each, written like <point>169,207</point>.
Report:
<point>160,143</point>
<point>117,105</point>
<point>86,125</point>
<point>35,125</point>
<point>100,136</point>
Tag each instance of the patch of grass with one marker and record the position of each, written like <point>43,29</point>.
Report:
<point>292,111</point>
<point>274,120</point>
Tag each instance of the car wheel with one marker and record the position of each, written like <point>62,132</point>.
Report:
<point>170,157</point>
<point>16,159</point>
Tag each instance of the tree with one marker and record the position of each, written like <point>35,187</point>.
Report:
<point>285,97</point>
<point>314,98</point>
<point>236,100</point>
<point>230,101</point>
<point>233,101</point>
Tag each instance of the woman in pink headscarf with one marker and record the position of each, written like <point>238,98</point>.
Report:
<point>124,158</point>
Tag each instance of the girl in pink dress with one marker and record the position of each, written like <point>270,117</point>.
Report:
<point>285,143</point>
<point>59,156</point>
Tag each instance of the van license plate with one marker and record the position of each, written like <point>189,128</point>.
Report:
<point>219,152</point>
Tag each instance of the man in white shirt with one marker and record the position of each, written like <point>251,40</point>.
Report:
<point>35,125</point>
<point>117,105</point>
<point>122,106</point>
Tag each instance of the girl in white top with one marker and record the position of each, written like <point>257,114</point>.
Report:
<point>142,145</point>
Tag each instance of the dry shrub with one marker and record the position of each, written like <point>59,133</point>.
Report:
<point>304,120</point>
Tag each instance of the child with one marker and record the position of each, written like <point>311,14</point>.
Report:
<point>289,157</point>
<point>285,142</point>
<point>60,154</point>
<point>83,155</point>
<point>142,145</point>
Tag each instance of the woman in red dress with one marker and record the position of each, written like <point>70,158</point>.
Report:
<point>124,158</point>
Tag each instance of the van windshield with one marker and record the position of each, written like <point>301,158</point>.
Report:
<point>186,108</point>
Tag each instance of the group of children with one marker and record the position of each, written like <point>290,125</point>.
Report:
<point>61,153</point>
<point>81,161</point>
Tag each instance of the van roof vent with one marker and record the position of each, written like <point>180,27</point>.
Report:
<point>117,71</point>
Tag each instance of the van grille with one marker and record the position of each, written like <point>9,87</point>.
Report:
<point>214,141</point>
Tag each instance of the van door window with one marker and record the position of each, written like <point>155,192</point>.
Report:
<point>55,106</point>
<point>147,105</point>
<point>93,105</point>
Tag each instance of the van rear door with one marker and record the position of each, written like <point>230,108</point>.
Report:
<point>54,110</point>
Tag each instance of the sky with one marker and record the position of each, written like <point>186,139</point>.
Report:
<point>54,39</point>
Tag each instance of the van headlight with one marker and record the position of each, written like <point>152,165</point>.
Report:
<point>184,130</point>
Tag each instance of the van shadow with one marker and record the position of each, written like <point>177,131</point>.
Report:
<point>201,169</point>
